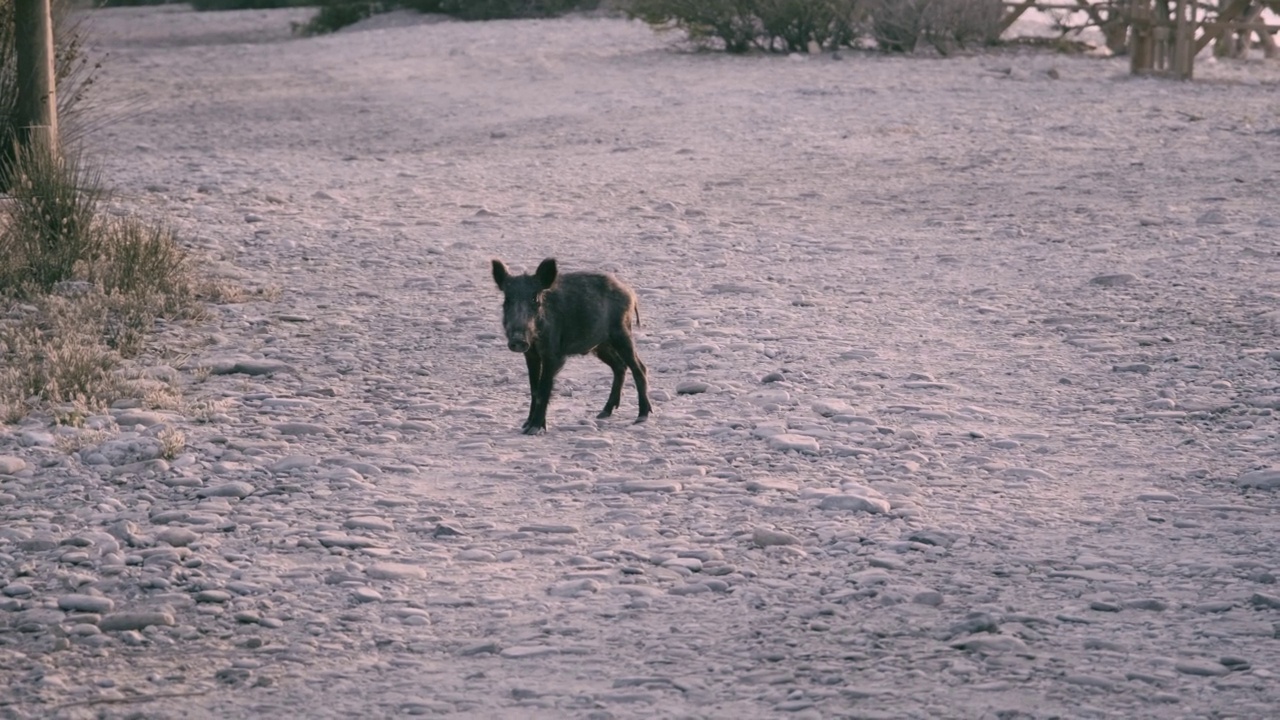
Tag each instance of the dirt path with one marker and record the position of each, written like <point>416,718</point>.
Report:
<point>958,369</point>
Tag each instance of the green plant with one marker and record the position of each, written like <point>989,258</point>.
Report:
<point>797,23</point>
<point>740,25</point>
<point>213,5</point>
<point>947,25</point>
<point>959,24</point>
<point>731,22</point>
<point>896,25</point>
<point>334,16</point>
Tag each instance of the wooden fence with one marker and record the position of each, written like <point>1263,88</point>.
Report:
<point>1163,37</point>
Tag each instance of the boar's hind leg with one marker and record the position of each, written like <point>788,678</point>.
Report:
<point>610,358</point>
<point>626,350</point>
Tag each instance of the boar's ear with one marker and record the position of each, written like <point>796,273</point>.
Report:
<point>546,272</point>
<point>499,273</point>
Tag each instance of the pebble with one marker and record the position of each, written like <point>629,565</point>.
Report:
<point>1265,600</point>
<point>476,555</point>
<point>1114,280</point>
<point>765,537</point>
<point>790,441</point>
<point>235,489</point>
<point>300,428</point>
<point>1268,479</point>
<point>992,645</point>
<point>292,462</point>
<point>1201,667</point>
<point>86,603</point>
<point>177,537</point>
<point>931,598</point>
<point>134,620</point>
<point>647,486</point>
<point>855,503</point>
<point>10,465</point>
<point>395,571</point>
<point>525,652</point>
<point>550,529</point>
<point>368,522</point>
<point>574,588</point>
<point>692,387</point>
<point>248,367</point>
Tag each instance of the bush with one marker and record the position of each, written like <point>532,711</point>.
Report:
<point>207,5</point>
<point>798,25</point>
<point>740,25</point>
<point>794,24</point>
<point>49,227</point>
<point>337,14</point>
<point>896,25</point>
<point>947,25</point>
<point>334,16</point>
<point>502,9</point>
<point>959,24</point>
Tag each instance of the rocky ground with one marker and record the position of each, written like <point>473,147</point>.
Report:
<point>966,378</point>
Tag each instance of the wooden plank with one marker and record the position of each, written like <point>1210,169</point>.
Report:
<point>1257,26</point>
<point>1233,10</point>
<point>1015,12</point>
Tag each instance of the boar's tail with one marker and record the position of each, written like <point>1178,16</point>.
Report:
<point>637,309</point>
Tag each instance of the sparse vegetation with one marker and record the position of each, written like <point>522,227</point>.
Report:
<point>337,14</point>
<point>80,290</point>
<point>741,25</point>
<point>801,25</point>
<point>172,442</point>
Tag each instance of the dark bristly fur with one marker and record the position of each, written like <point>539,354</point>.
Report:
<point>550,315</point>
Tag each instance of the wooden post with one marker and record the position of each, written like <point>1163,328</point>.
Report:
<point>37,98</point>
<point>1184,42</point>
<point>1141,40</point>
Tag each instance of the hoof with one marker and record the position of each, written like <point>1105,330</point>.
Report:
<point>604,414</point>
<point>640,419</point>
<point>534,429</point>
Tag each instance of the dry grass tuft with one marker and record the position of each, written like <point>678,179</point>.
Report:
<point>81,291</point>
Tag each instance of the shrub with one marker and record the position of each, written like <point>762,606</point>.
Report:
<point>952,24</point>
<point>207,5</point>
<point>49,226</point>
<point>501,9</point>
<point>896,25</point>
<point>732,22</point>
<point>51,354</point>
<point>796,23</point>
<point>947,25</point>
<point>334,16</point>
<point>739,25</point>
<point>337,14</point>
